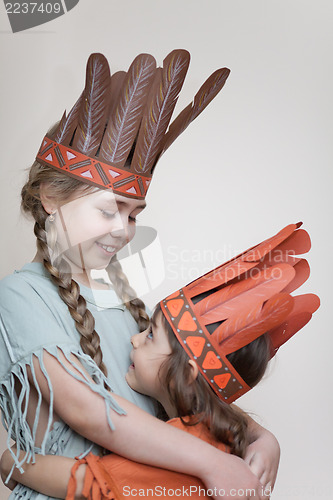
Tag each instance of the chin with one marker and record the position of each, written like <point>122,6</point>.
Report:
<point>100,267</point>
<point>128,380</point>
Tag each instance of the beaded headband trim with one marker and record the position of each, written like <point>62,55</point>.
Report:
<point>91,171</point>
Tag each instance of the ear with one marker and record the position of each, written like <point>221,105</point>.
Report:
<point>194,370</point>
<point>48,201</point>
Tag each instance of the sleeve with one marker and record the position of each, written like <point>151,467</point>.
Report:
<point>29,327</point>
<point>98,483</point>
<point>113,477</point>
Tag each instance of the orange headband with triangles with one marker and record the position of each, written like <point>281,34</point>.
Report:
<point>118,129</point>
<point>243,299</point>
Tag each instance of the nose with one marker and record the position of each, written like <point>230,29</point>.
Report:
<point>135,340</point>
<point>119,225</point>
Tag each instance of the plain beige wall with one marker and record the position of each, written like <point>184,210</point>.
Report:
<point>256,160</point>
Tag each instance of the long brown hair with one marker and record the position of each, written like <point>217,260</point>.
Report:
<point>197,399</point>
<point>64,188</point>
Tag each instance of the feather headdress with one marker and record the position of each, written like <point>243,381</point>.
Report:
<point>239,301</point>
<point>119,127</point>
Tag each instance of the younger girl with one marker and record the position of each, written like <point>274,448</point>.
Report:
<point>194,366</point>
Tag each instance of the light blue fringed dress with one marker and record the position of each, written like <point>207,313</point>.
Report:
<point>34,319</point>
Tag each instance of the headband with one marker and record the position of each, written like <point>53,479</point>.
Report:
<point>239,301</point>
<point>115,133</point>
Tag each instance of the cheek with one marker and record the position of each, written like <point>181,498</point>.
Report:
<point>131,231</point>
<point>80,227</point>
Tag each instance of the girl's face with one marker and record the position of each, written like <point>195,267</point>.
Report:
<point>150,349</point>
<point>92,228</point>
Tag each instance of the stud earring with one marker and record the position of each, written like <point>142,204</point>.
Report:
<point>52,217</point>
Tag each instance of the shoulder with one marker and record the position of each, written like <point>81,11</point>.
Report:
<point>32,315</point>
<point>14,292</point>
<point>10,282</point>
<point>12,285</point>
<point>23,289</point>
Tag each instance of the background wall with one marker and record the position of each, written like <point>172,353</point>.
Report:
<point>256,160</point>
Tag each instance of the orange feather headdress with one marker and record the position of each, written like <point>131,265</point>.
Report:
<point>239,301</point>
<point>117,130</point>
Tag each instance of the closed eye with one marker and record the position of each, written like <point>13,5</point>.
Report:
<point>107,215</point>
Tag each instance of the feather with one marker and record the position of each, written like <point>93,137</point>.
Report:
<point>117,80</point>
<point>247,294</point>
<point>67,125</point>
<point>207,92</point>
<point>277,257</point>
<point>92,117</point>
<point>259,251</point>
<point>304,306</point>
<point>160,105</point>
<point>302,269</point>
<point>307,302</point>
<point>231,291</point>
<point>219,276</point>
<point>286,330</point>
<point>124,124</point>
<point>237,331</point>
<point>246,261</point>
<point>297,243</point>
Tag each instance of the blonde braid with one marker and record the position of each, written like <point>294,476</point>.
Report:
<point>56,266</point>
<point>123,289</point>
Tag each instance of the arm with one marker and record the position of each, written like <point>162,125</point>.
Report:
<point>139,436</point>
<point>263,453</point>
<point>48,475</point>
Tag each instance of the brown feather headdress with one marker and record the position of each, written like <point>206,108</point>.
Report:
<point>239,301</point>
<point>119,127</point>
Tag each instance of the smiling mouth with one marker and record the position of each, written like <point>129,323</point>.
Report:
<point>107,248</point>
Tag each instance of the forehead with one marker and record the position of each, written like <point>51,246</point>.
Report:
<point>110,197</point>
<point>157,320</point>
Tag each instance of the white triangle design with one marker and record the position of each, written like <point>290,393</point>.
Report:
<point>131,190</point>
<point>113,173</point>
<point>87,173</point>
<point>49,157</point>
<point>70,155</point>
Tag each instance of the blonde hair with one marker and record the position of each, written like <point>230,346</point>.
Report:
<point>63,188</point>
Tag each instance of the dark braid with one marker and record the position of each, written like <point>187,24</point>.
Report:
<point>123,289</point>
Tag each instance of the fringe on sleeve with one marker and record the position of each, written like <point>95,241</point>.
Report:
<point>98,484</point>
<point>14,405</point>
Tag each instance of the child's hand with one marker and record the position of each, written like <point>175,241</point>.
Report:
<point>6,463</point>
<point>229,476</point>
<point>263,456</point>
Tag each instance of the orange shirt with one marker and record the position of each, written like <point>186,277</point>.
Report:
<point>115,477</point>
